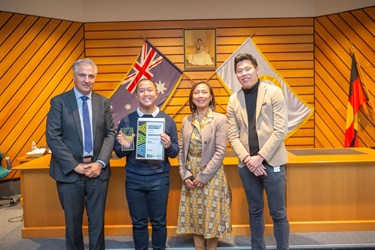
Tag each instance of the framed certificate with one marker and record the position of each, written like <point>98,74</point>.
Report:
<point>149,146</point>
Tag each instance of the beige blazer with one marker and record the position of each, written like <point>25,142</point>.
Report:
<point>214,145</point>
<point>271,124</point>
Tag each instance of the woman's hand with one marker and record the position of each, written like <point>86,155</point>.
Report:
<point>189,183</point>
<point>197,183</point>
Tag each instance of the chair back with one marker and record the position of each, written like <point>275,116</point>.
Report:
<point>4,172</point>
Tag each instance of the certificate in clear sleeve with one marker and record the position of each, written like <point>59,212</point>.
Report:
<point>149,146</point>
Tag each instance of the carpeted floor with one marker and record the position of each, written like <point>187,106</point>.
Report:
<point>11,224</point>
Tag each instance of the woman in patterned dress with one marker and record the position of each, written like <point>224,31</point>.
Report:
<point>205,210</point>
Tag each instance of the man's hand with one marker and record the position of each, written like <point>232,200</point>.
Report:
<point>254,164</point>
<point>92,170</point>
<point>80,169</point>
<point>165,140</point>
<point>261,170</point>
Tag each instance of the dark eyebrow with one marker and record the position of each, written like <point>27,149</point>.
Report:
<point>89,75</point>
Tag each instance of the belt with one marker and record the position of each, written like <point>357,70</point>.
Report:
<point>87,159</point>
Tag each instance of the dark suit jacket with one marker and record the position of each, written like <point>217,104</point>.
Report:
<point>64,135</point>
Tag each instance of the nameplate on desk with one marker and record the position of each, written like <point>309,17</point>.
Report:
<point>37,153</point>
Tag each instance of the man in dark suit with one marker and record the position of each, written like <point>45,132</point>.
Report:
<point>80,154</point>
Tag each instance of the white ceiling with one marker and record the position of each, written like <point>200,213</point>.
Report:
<point>138,10</point>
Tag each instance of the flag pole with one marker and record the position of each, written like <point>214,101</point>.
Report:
<point>211,76</point>
<point>182,106</point>
<point>218,104</point>
<point>362,78</point>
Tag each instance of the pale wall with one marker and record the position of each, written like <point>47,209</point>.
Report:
<point>137,10</point>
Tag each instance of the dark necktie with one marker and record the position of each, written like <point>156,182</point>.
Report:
<point>86,125</point>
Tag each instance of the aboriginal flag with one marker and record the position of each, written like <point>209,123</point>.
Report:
<point>357,97</point>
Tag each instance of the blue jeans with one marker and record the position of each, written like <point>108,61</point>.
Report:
<point>274,184</point>
<point>148,199</point>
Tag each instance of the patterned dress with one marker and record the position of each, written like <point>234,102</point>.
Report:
<point>204,211</point>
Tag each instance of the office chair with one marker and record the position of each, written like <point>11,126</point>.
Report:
<point>4,172</point>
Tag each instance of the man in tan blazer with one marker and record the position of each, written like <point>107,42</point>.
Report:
<point>257,124</point>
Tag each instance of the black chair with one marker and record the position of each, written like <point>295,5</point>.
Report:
<point>4,172</point>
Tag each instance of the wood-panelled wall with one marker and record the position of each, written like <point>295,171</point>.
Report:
<point>287,43</point>
<point>334,37</point>
<point>37,54</point>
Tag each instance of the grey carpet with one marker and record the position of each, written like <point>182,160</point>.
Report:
<point>11,225</point>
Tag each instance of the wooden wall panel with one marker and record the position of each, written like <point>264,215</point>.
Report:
<point>334,37</point>
<point>36,60</point>
<point>287,43</point>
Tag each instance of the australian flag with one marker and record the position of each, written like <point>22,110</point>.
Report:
<point>150,64</point>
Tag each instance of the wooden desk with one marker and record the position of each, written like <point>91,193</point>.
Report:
<point>326,191</point>
<point>331,189</point>
<point>26,157</point>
